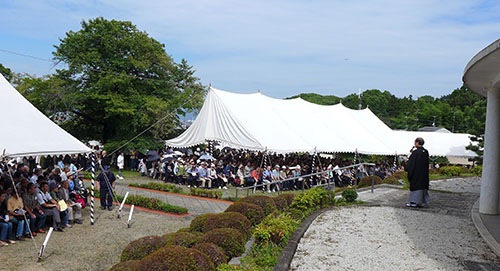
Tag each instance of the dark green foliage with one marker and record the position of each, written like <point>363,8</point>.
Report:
<point>142,247</point>
<point>311,199</point>
<point>153,204</point>
<point>200,192</point>
<point>399,174</point>
<point>198,222</point>
<point>160,187</point>
<point>230,240</point>
<point>187,229</point>
<point>253,212</point>
<point>177,258</point>
<point>126,266</point>
<point>452,170</point>
<point>183,239</point>
<point>349,195</point>
<point>477,171</point>
<point>231,220</point>
<point>367,181</point>
<point>391,180</point>
<point>266,203</point>
<point>214,253</point>
<point>6,72</point>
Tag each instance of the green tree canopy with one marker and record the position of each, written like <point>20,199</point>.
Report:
<point>116,82</point>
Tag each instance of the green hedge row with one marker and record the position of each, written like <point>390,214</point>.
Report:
<point>159,187</point>
<point>200,192</point>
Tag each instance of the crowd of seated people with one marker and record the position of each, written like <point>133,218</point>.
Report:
<point>32,199</point>
<point>246,168</point>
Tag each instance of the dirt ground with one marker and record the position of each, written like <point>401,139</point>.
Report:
<point>86,247</point>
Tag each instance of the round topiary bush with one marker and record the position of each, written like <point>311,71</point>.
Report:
<point>400,174</point>
<point>198,222</point>
<point>349,195</point>
<point>184,239</point>
<point>266,203</point>
<point>126,266</point>
<point>231,220</point>
<point>230,240</point>
<point>253,212</point>
<point>367,181</point>
<point>391,180</point>
<point>287,197</point>
<point>213,251</point>
<point>174,258</point>
<point>142,247</point>
<point>187,229</point>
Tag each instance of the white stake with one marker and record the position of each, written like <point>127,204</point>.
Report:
<point>123,203</point>
<point>130,216</point>
<point>42,249</point>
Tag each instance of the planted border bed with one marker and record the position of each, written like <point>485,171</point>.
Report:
<point>200,192</point>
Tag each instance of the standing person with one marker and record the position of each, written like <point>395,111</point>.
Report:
<point>120,162</point>
<point>133,160</point>
<point>106,181</point>
<point>418,174</point>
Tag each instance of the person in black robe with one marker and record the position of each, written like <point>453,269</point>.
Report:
<point>418,175</point>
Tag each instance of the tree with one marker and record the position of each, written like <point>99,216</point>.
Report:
<point>119,81</point>
<point>6,72</point>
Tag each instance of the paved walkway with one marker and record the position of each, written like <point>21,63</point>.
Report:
<point>393,237</point>
<point>195,206</point>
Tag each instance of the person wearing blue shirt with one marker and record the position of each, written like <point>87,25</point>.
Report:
<point>106,181</point>
<point>267,177</point>
<point>203,174</point>
<point>192,173</point>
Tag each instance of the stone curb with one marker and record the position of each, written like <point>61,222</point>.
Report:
<point>483,231</point>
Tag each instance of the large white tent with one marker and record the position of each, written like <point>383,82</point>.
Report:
<point>28,132</point>
<point>257,122</point>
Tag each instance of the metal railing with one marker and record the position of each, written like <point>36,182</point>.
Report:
<point>329,180</point>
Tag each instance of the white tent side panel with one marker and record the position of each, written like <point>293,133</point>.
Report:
<point>26,131</point>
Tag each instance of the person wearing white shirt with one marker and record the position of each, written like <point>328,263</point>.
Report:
<point>120,162</point>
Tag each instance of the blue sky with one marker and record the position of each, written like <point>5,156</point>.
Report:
<point>280,47</point>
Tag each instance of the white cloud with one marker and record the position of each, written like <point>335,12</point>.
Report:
<point>286,47</point>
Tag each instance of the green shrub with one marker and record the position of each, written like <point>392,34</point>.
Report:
<point>200,192</point>
<point>340,202</point>
<point>349,195</point>
<point>160,187</point>
<point>391,180</point>
<point>198,222</point>
<point>142,247</point>
<point>452,171</point>
<point>175,258</point>
<point>275,229</point>
<point>313,198</point>
<point>399,174</point>
<point>230,240</point>
<point>297,214</point>
<point>230,267</point>
<point>126,266</point>
<point>253,212</point>
<point>214,252</point>
<point>477,171</point>
<point>187,229</point>
<point>284,201</point>
<point>367,181</point>
<point>151,203</point>
<point>183,239</point>
<point>266,203</point>
<point>434,171</point>
<point>231,220</point>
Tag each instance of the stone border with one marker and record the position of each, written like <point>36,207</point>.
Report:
<point>483,230</point>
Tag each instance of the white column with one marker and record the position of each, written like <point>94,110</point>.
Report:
<point>490,185</point>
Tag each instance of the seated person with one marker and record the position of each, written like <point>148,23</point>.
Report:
<point>6,235</point>
<point>192,173</point>
<point>33,209</point>
<point>49,206</point>
<point>74,208</point>
<point>15,207</point>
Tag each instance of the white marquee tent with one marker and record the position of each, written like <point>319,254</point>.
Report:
<point>28,132</point>
<point>257,122</point>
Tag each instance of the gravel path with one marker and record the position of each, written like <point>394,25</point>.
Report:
<point>86,247</point>
<point>393,238</point>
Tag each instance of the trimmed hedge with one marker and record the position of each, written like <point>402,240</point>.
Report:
<point>400,174</point>
<point>349,195</point>
<point>230,240</point>
<point>175,258</point>
<point>142,247</point>
<point>253,212</point>
<point>231,220</point>
<point>275,229</point>
<point>452,171</point>
<point>391,180</point>
<point>477,170</point>
<point>266,203</point>
<point>200,192</point>
<point>183,239</point>
<point>311,199</point>
<point>213,251</point>
<point>367,181</point>
<point>198,222</point>
<point>159,187</point>
<point>126,266</point>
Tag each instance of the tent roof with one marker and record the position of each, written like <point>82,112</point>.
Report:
<point>26,131</point>
<point>257,122</point>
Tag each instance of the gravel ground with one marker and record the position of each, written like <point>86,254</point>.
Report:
<point>458,185</point>
<point>386,238</point>
<point>86,247</point>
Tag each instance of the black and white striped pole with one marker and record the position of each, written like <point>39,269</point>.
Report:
<point>92,190</point>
